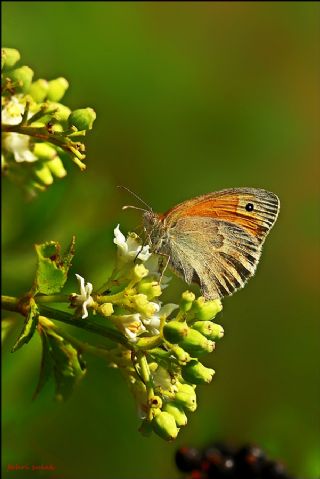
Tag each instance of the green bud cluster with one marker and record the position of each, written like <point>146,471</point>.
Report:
<point>39,133</point>
<point>163,368</point>
<point>186,337</point>
<point>157,346</point>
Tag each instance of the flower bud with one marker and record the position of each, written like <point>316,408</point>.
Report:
<point>44,151</point>
<point>177,411</point>
<point>195,343</point>
<point>155,402</point>
<point>9,57</point>
<point>150,288</point>
<point>148,342</point>
<point>43,173</point>
<point>62,113</point>
<point>204,327</point>
<point>57,128</point>
<point>186,396</point>
<point>217,332</point>
<point>186,302</point>
<point>196,373</point>
<point>139,272</point>
<point>142,305</point>
<point>175,331</point>
<point>209,329</point>
<point>164,425</point>
<point>82,119</point>
<point>182,356</point>
<point>57,89</point>
<point>22,77</point>
<point>56,167</point>
<point>39,90</point>
<point>159,353</point>
<point>206,310</point>
<point>187,388</point>
<point>106,309</point>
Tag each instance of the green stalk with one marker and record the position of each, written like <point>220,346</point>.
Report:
<point>147,379</point>
<point>53,298</point>
<point>81,346</point>
<point>10,303</point>
<point>41,133</point>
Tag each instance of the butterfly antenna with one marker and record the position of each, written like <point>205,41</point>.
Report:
<point>138,198</point>
<point>126,207</point>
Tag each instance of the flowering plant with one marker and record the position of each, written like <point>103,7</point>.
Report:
<point>39,132</point>
<point>156,346</point>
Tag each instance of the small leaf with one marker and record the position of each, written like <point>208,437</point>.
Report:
<point>29,326</point>
<point>46,368</point>
<point>52,271</point>
<point>68,367</point>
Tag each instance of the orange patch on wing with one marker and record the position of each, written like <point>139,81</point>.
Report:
<point>215,207</point>
<point>224,208</point>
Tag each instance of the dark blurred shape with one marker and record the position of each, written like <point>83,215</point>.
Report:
<point>249,461</point>
<point>225,449</point>
<point>223,461</point>
<point>274,470</point>
<point>218,461</point>
<point>188,459</point>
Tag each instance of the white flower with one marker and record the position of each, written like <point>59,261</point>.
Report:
<point>83,299</point>
<point>19,145</point>
<point>153,324</point>
<point>162,379</point>
<point>152,265</point>
<point>12,112</point>
<point>130,248</point>
<point>131,325</point>
<point>16,143</point>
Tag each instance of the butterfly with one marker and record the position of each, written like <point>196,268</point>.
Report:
<point>214,240</point>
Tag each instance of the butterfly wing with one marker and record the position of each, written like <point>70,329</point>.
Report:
<point>215,240</point>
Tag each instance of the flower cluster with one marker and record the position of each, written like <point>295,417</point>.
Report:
<point>163,342</point>
<point>39,132</point>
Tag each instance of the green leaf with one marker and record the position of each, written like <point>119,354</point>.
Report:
<point>29,326</point>
<point>52,271</point>
<point>68,367</point>
<point>46,368</point>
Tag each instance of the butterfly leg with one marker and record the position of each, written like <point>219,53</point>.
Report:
<point>145,241</point>
<point>163,264</point>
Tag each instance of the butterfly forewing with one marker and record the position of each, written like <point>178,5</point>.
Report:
<point>215,240</point>
<point>233,205</point>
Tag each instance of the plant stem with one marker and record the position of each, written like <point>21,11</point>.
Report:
<point>81,346</point>
<point>41,133</point>
<point>10,303</point>
<point>145,373</point>
<point>53,298</point>
<point>112,298</point>
<point>108,331</point>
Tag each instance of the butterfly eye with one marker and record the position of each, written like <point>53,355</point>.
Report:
<point>249,207</point>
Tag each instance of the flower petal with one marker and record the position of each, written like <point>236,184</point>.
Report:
<point>120,240</point>
<point>81,283</point>
<point>167,309</point>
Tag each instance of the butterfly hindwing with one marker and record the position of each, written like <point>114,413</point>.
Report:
<point>218,255</point>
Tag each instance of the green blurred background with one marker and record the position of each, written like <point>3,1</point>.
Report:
<point>190,98</point>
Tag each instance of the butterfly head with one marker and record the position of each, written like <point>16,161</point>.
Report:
<point>155,229</point>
